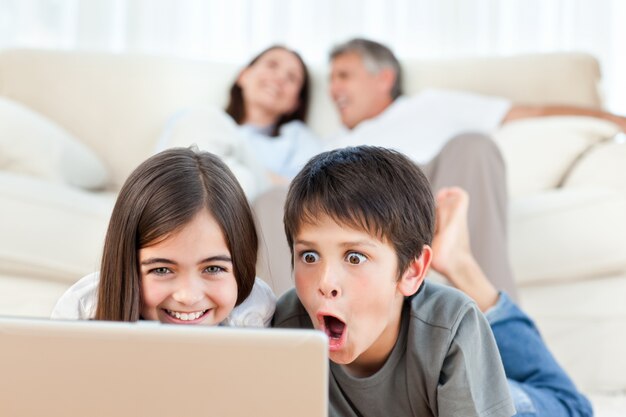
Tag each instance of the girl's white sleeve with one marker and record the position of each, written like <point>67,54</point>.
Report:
<point>256,310</point>
<point>79,301</point>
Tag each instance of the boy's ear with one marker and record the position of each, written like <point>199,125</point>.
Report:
<point>415,273</point>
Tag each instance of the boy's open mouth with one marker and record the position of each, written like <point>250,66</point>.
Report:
<point>335,329</point>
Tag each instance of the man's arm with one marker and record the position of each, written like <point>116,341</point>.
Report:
<point>522,112</point>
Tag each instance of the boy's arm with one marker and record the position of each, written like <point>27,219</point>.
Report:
<point>472,380</point>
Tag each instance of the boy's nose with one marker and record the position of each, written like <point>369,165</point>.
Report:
<point>329,285</point>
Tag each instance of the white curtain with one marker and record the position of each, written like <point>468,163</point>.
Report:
<point>233,30</point>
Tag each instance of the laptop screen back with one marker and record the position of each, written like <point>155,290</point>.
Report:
<point>147,369</point>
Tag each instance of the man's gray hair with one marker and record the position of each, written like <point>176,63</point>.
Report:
<point>375,56</point>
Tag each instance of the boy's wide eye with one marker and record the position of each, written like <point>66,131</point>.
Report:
<point>355,258</point>
<point>310,257</point>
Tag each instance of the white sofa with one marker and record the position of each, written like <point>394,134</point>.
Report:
<point>567,180</point>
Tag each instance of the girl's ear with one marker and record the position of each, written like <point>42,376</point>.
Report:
<point>415,273</point>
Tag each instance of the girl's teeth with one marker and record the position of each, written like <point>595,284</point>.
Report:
<point>185,316</point>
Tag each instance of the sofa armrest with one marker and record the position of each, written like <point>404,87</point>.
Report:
<point>540,152</point>
<point>603,166</point>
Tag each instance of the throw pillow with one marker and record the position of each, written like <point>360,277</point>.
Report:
<point>31,144</point>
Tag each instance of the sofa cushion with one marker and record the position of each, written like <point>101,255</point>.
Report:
<point>33,145</point>
<point>583,323</point>
<point>540,151</point>
<point>602,166</point>
<point>50,230</point>
<point>115,103</point>
<point>29,297</point>
<point>567,234</point>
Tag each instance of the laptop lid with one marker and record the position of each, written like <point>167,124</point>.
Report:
<point>89,368</point>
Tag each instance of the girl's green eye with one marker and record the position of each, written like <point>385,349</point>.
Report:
<point>214,269</point>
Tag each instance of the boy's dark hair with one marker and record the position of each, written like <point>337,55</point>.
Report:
<point>161,196</point>
<point>374,189</point>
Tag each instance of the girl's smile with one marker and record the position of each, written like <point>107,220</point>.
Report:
<point>187,278</point>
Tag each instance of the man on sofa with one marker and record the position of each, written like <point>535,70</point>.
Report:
<point>446,132</point>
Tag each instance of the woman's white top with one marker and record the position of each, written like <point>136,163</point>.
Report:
<point>249,151</point>
<point>79,303</point>
<point>286,153</point>
<point>212,130</point>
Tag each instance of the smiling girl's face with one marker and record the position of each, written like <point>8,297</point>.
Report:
<point>188,278</point>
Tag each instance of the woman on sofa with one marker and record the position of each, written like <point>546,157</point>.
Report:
<point>269,101</point>
<point>261,135</point>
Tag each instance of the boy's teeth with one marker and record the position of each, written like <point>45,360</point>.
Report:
<point>185,316</point>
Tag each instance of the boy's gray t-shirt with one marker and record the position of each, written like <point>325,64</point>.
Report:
<point>444,363</point>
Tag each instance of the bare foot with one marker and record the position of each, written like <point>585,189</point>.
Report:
<point>451,241</point>
<point>452,256</point>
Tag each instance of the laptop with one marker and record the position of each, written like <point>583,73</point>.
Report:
<point>108,369</point>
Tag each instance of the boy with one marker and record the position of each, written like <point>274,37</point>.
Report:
<point>359,222</point>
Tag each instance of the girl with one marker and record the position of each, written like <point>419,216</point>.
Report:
<point>181,248</point>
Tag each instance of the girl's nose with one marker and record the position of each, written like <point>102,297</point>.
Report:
<point>189,291</point>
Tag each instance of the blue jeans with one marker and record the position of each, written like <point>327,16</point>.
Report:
<point>538,385</point>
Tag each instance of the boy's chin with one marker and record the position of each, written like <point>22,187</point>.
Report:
<point>340,358</point>
<point>343,355</point>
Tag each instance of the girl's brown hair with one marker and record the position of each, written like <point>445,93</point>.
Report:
<point>236,107</point>
<point>159,197</point>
